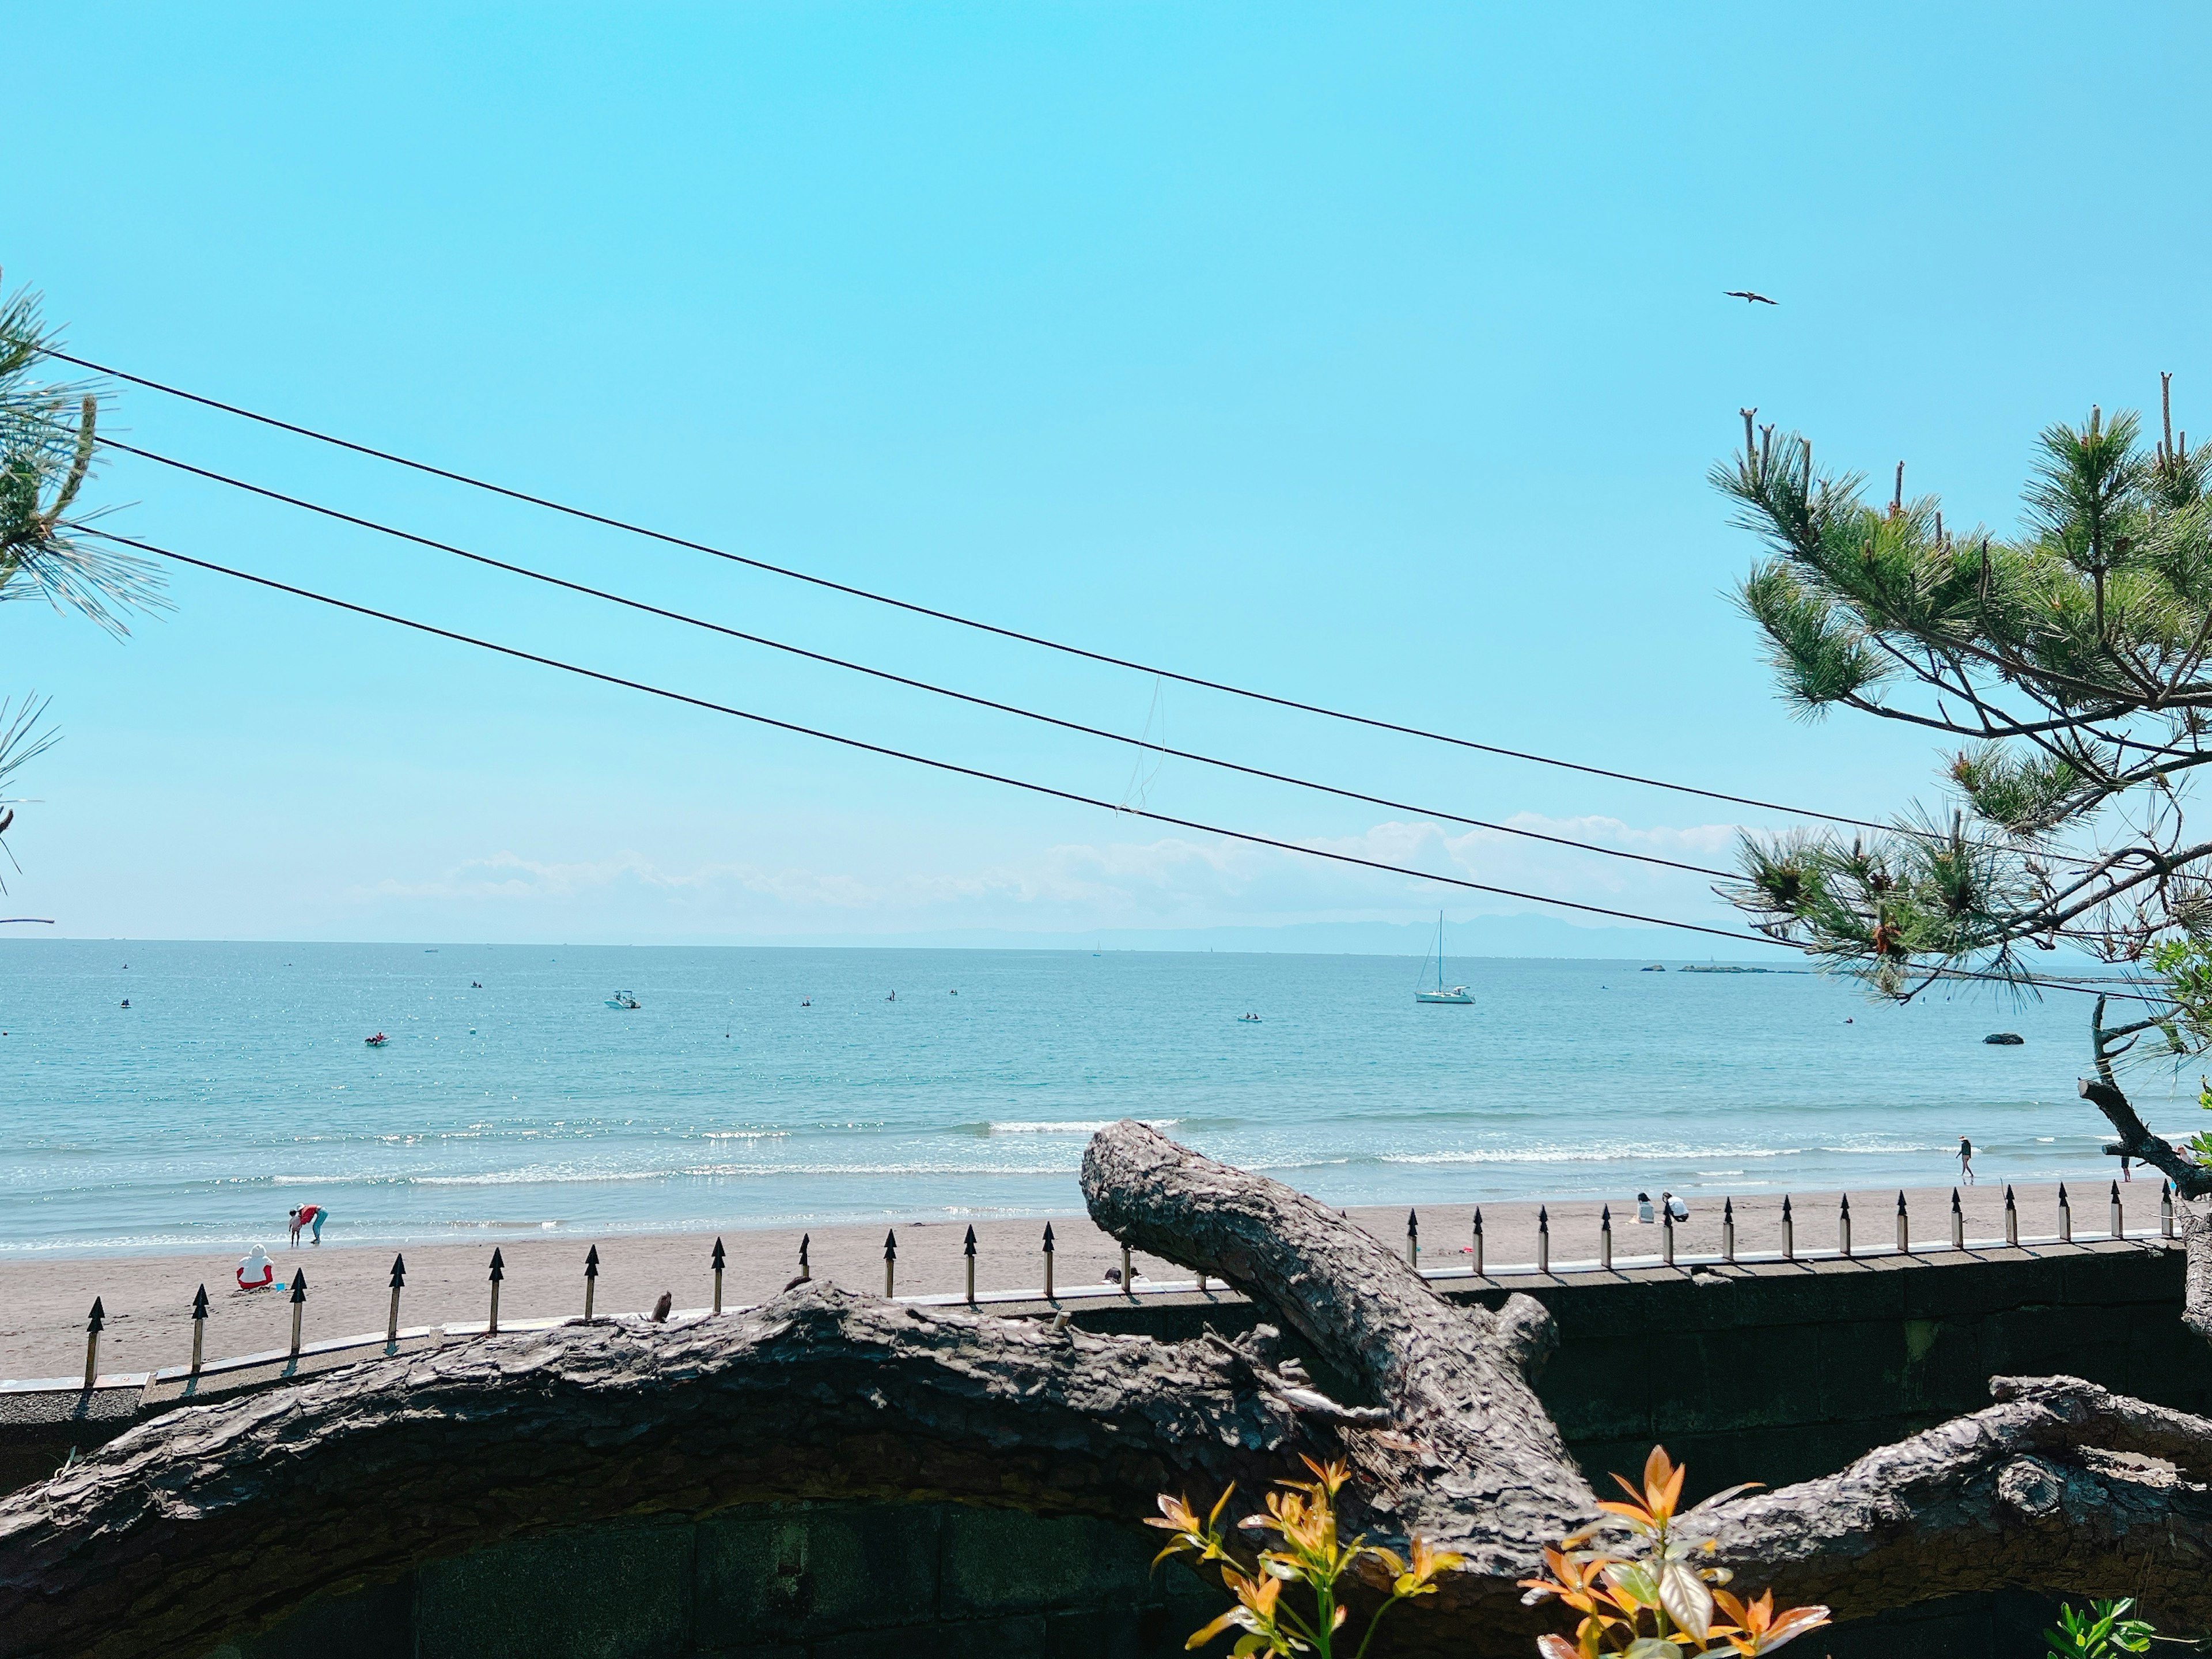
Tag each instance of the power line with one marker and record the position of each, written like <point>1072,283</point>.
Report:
<point>866,747</point>
<point>1022,784</point>
<point>910,606</point>
<point>898,680</point>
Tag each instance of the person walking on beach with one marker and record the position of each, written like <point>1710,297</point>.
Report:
<point>1967,1160</point>
<point>307,1216</point>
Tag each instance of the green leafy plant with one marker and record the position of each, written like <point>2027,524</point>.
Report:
<point>2199,1145</point>
<point>2102,1632</point>
<point>1658,1602</point>
<point>1307,1551</point>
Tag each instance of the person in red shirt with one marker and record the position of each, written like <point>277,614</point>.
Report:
<point>309,1215</point>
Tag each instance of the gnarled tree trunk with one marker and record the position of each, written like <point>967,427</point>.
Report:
<point>215,1518</point>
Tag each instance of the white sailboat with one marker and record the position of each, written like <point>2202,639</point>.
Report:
<point>1458,995</point>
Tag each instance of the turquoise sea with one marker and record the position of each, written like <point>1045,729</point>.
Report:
<point>510,1097</point>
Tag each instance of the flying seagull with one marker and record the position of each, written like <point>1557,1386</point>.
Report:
<point>1748,296</point>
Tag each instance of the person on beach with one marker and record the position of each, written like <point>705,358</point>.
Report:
<point>1675,1207</point>
<point>1967,1160</point>
<point>1643,1210</point>
<point>256,1272</point>
<point>309,1216</point>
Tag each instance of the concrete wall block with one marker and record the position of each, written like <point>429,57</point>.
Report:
<point>1596,1308</point>
<point>2167,1362</point>
<point>1022,1637</point>
<point>377,1622</point>
<point>2054,1339</point>
<point>1947,1371</point>
<point>618,1592</point>
<point>1591,1395</point>
<point>1739,1379</point>
<point>1777,1294</point>
<point>1101,1633</point>
<point>2125,1274</point>
<point>1859,1368</point>
<point>796,1572</point>
<point>1000,1561</point>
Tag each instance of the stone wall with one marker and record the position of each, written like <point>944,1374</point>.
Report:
<point>795,1581</point>
<point>1771,1372</point>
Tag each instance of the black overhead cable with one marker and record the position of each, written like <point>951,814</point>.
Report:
<point>901,679</point>
<point>900,754</point>
<point>1024,784</point>
<point>910,606</point>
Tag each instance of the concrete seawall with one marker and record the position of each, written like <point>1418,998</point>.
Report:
<point>1771,1371</point>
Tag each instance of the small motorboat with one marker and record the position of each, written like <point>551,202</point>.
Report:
<point>624,1000</point>
<point>1247,1019</point>
<point>377,1041</point>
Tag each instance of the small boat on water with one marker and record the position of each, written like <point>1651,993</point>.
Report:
<point>1247,1019</point>
<point>624,1000</point>
<point>377,1041</point>
<point>1458,995</point>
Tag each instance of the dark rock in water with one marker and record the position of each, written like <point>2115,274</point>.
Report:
<point>1656,968</point>
<point>2005,1039</point>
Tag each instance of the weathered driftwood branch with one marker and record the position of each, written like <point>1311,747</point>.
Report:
<point>215,1518</point>
<point>2192,1180</point>
<point>2136,1141</point>
<point>2054,1488</point>
<point>1476,1463</point>
<point>221,1516</point>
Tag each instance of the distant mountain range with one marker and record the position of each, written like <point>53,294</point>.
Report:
<point>1479,936</point>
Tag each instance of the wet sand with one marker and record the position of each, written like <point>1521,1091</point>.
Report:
<point>147,1300</point>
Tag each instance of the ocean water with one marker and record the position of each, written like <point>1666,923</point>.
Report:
<point>510,1098</point>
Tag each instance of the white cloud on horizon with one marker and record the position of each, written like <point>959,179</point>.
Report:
<point>1170,881</point>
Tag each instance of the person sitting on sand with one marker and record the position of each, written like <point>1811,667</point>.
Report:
<point>309,1215</point>
<point>1644,1209</point>
<point>1675,1207</point>
<point>256,1272</point>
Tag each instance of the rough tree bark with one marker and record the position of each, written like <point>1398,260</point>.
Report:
<point>217,1518</point>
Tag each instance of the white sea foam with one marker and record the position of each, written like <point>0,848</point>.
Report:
<point>1090,1128</point>
<point>1588,1155</point>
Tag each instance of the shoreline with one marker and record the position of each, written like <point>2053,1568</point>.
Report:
<point>146,1299</point>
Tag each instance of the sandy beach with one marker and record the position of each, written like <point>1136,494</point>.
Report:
<point>147,1299</point>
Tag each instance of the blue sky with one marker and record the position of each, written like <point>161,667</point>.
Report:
<point>1369,355</point>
